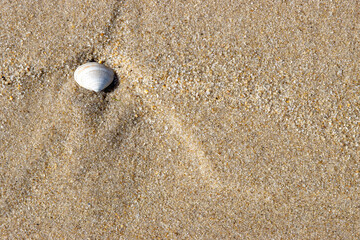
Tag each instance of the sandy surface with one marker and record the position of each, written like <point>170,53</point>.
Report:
<point>228,120</point>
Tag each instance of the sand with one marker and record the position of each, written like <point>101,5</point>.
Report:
<point>227,120</point>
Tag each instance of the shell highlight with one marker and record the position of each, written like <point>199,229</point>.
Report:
<point>94,76</point>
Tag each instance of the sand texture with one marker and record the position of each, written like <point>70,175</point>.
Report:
<point>226,120</point>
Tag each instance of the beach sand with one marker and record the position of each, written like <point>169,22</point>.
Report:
<point>227,120</point>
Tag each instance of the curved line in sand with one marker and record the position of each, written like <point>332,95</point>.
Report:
<point>194,146</point>
<point>189,140</point>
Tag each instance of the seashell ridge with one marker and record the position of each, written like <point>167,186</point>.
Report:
<point>94,76</point>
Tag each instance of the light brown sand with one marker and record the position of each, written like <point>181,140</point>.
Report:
<point>230,119</point>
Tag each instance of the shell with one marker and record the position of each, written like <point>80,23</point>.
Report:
<point>94,76</point>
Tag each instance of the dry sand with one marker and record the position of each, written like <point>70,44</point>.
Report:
<point>228,120</point>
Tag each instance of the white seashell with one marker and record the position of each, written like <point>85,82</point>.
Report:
<point>94,76</point>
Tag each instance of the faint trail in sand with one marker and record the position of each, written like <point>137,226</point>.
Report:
<point>194,147</point>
